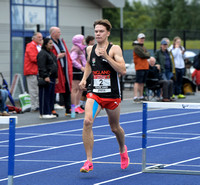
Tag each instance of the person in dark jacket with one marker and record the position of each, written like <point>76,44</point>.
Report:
<point>48,77</point>
<point>166,85</point>
<point>164,60</point>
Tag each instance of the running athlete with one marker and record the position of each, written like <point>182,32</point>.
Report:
<point>106,62</point>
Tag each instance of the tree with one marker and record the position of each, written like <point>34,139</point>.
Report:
<point>180,15</point>
<point>194,15</point>
<point>136,16</point>
<point>113,15</point>
<point>162,13</point>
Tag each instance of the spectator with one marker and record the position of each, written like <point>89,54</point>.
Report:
<point>163,58</point>
<point>77,54</point>
<point>196,78</point>
<point>3,98</point>
<point>31,68</point>
<point>140,56</point>
<point>64,68</point>
<point>47,66</point>
<point>90,41</point>
<point>178,52</point>
<point>166,85</point>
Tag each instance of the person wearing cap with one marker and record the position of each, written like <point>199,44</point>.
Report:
<point>164,60</point>
<point>140,56</point>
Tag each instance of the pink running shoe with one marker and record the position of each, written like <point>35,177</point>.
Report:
<point>124,159</point>
<point>88,166</point>
<point>79,110</point>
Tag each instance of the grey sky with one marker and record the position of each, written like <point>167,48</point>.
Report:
<point>143,1</point>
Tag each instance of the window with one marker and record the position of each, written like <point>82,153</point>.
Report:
<point>17,17</point>
<point>34,2</point>
<point>25,16</point>
<point>34,16</point>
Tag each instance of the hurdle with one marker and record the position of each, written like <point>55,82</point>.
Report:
<point>12,121</point>
<point>160,168</point>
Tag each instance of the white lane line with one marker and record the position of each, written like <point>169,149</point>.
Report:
<point>180,162</point>
<point>101,126</point>
<point>153,146</point>
<point>118,178</point>
<point>101,157</point>
<point>96,140</point>
<point>175,133</point>
<point>105,162</point>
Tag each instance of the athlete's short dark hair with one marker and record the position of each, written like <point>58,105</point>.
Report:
<point>104,22</point>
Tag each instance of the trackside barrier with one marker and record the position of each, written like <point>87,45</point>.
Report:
<point>160,168</point>
<point>12,121</point>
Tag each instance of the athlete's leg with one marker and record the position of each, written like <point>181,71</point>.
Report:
<point>92,108</point>
<point>113,118</point>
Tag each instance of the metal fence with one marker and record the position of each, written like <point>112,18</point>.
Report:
<point>155,35</point>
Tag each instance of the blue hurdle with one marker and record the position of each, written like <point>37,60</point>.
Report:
<point>160,168</point>
<point>12,121</point>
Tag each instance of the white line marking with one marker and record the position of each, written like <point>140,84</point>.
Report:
<point>101,157</point>
<point>110,154</point>
<point>119,178</point>
<point>96,140</point>
<point>101,126</point>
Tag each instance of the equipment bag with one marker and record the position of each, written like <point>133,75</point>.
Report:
<point>25,102</point>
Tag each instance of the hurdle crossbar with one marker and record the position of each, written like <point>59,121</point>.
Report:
<point>160,168</point>
<point>12,121</point>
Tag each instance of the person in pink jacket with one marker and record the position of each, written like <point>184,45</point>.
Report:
<point>31,68</point>
<point>196,78</point>
<point>77,54</point>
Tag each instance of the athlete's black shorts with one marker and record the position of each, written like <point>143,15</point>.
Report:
<point>141,76</point>
<point>77,74</point>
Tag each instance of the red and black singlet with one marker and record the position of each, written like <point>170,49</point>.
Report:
<point>105,81</point>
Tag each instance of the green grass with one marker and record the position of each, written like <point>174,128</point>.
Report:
<point>190,44</point>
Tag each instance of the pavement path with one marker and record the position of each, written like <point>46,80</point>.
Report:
<point>127,105</point>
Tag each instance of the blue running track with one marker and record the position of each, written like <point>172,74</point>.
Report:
<point>53,153</point>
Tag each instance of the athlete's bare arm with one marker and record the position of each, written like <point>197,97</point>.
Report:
<point>88,70</point>
<point>115,58</point>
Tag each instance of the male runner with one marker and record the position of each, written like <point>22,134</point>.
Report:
<point>106,62</point>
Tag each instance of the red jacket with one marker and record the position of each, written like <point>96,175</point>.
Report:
<point>30,59</point>
<point>196,76</point>
<point>60,87</point>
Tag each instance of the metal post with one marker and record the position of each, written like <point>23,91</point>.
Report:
<point>83,30</point>
<point>144,136</point>
<point>155,39</point>
<point>184,39</point>
<point>11,151</point>
<point>38,27</point>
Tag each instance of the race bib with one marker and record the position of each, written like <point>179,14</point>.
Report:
<point>102,83</point>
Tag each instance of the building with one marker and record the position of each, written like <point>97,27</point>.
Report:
<point>19,20</point>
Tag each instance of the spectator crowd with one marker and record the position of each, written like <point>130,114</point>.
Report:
<point>53,73</point>
<point>164,73</point>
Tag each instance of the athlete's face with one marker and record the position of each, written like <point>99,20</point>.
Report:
<point>101,33</point>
